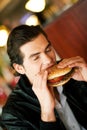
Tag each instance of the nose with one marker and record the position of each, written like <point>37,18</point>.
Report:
<point>46,60</point>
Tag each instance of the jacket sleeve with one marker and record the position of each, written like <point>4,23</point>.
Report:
<point>49,125</point>
<point>10,122</point>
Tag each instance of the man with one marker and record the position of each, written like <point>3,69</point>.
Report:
<point>33,105</point>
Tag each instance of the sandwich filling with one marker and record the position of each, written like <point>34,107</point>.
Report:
<point>61,78</point>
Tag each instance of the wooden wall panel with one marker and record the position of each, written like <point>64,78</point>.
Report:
<point>68,33</point>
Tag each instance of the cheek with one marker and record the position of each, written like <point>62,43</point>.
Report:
<point>53,56</point>
<point>31,71</point>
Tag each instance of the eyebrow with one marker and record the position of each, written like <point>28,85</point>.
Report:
<point>37,53</point>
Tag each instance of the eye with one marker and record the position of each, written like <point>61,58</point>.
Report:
<point>36,57</point>
<point>49,49</point>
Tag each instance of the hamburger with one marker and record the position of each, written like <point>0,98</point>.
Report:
<point>59,76</point>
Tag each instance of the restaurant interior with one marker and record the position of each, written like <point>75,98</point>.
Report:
<point>65,18</point>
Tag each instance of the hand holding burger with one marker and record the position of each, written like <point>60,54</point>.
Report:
<point>79,64</point>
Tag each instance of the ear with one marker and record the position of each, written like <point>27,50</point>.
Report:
<point>19,68</point>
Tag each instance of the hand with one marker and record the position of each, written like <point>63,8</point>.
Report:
<point>80,65</point>
<point>45,96</point>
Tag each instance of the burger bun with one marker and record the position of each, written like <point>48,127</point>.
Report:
<point>59,76</point>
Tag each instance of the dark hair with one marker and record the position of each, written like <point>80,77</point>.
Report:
<point>19,36</point>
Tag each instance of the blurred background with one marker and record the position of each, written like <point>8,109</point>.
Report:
<point>16,12</point>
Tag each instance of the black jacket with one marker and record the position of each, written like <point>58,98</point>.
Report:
<point>22,110</point>
<point>76,92</point>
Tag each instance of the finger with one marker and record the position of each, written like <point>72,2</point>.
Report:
<point>37,80</point>
<point>78,65</point>
<point>71,62</point>
<point>44,79</point>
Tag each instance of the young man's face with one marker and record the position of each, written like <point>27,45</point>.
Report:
<point>38,55</point>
